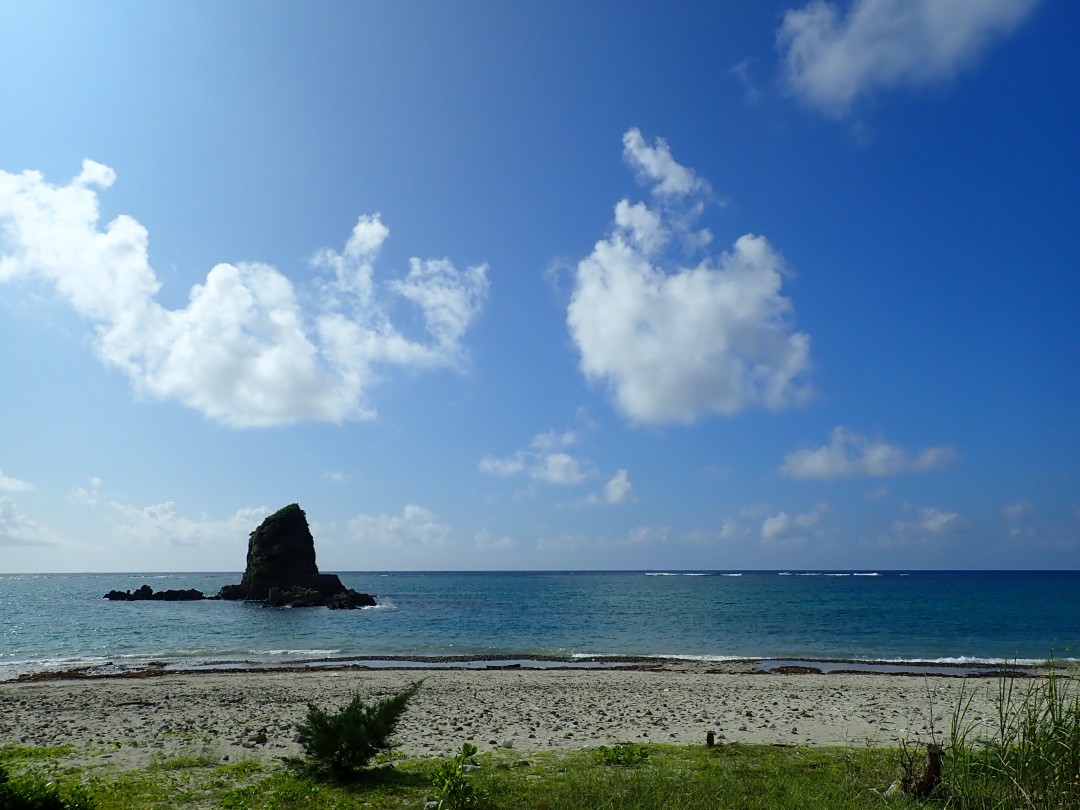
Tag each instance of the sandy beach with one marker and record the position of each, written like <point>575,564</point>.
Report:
<point>127,722</point>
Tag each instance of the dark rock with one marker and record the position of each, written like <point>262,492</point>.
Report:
<point>281,569</point>
<point>145,593</point>
<point>349,599</point>
<point>281,553</point>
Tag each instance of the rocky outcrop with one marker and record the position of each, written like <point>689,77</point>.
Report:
<point>146,593</point>
<point>280,572</point>
<point>281,569</point>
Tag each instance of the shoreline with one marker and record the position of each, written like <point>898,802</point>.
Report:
<point>129,722</point>
<point>974,668</point>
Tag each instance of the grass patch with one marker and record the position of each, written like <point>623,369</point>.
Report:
<point>1032,760</point>
<point>22,754</point>
<point>661,776</point>
<point>745,776</point>
<point>185,760</point>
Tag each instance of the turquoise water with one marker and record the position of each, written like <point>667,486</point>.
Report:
<point>54,620</point>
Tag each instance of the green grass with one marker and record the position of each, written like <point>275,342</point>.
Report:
<point>1033,759</point>
<point>737,776</point>
<point>668,777</point>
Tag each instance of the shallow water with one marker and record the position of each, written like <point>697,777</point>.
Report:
<point>60,620</point>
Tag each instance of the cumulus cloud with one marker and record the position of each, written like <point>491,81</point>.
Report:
<point>616,491</point>
<point>832,59</point>
<point>506,467</point>
<point>654,165</point>
<point>553,440</point>
<point>849,455</point>
<point>675,343</point>
<point>18,529</point>
<point>558,468</point>
<point>787,529</point>
<point>163,524</point>
<point>544,460</point>
<point>927,522</point>
<point>414,527</point>
<point>9,484</point>
<point>84,496</point>
<point>619,488</point>
<point>775,526</point>
<point>244,351</point>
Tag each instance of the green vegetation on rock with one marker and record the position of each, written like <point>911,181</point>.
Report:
<point>281,553</point>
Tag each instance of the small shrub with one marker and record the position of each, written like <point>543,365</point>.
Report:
<point>452,787</point>
<point>340,744</point>
<point>29,793</point>
<point>624,755</point>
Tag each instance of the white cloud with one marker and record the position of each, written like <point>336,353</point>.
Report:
<point>486,541</point>
<point>244,351</point>
<point>832,59</point>
<point>553,440</point>
<point>9,484</point>
<point>676,345</point>
<point>656,166</point>
<point>928,521</point>
<point>789,530</point>
<point>503,466</point>
<point>415,527</point>
<point>616,491</point>
<point>645,535</point>
<point>17,529</point>
<point>163,525</point>
<point>87,497</point>
<point>558,468</point>
<point>543,460</point>
<point>936,521</point>
<point>775,526</point>
<point>1017,511</point>
<point>849,455</point>
<point>741,71</point>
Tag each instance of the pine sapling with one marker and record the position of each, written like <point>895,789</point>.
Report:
<point>340,744</point>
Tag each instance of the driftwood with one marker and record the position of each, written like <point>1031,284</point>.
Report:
<point>923,785</point>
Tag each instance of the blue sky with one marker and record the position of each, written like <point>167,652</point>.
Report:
<point>541,285</point>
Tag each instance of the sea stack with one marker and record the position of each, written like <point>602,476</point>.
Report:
<point>281,569</point>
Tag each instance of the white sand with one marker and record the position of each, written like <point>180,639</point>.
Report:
<point>126,722</point>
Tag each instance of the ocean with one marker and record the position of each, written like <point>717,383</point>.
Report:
<point>51,621</point>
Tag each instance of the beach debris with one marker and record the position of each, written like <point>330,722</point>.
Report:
<point>925,783</point>
<point>930,777</point>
